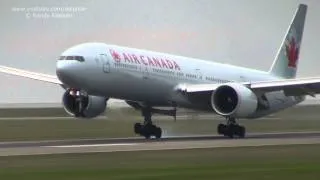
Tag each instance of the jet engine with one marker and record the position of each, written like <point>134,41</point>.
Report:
<point>234,100</point>
<point>79,104</point>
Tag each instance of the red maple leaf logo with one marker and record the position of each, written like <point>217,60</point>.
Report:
<point>292,52</point>
<point>115,55</point>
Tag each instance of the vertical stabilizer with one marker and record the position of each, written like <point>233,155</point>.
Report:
<point>286,62</point>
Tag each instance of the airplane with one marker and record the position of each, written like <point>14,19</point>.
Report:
<point>91,73</point>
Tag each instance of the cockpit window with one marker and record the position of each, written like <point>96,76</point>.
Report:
<point>77,58</point>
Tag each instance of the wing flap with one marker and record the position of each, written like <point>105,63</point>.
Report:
<point>31,75</point>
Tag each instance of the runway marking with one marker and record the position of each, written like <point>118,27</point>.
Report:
<point>92,145</point>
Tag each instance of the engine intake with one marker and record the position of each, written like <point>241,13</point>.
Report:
<point>234,100</point>
<point>83,105</point>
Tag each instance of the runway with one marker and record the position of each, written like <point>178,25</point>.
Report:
<point>139,144</point>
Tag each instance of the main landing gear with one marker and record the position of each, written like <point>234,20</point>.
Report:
<point>147,129</point>
<point>231,129</point>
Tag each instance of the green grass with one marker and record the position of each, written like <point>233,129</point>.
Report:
<point>120,124</point>
<point>294,162</point>
<point>32,112</point>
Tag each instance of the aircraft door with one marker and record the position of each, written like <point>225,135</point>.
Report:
<point>199,74</point>
<point>106,66</point>
<point>144,71</point>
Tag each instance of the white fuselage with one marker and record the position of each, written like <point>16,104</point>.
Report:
<point>151,77</point>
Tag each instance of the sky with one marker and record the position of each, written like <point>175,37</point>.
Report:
<point>241,32</point>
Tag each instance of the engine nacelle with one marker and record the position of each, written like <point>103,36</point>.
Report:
<point>81,105</point>
<point>234,100</point>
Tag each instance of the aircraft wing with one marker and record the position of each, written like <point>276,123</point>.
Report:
<point>31,75</point>
<point>291,87</point>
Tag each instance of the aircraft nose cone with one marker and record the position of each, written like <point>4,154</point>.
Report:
<point>65,72</point>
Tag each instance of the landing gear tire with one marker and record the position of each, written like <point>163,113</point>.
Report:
<point>241,131</point>
<point>231,129</point>
<point>137,128</point>
<point>221,128</point>
<point>147,135</point>
<point>158,133</point>
<point>148,130</point>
